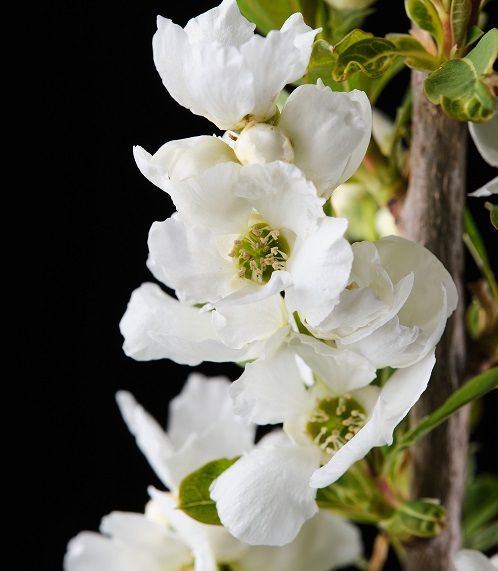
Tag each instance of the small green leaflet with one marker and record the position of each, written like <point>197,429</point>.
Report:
<point>459,86</point>
<point>194,498</point>
<point>424,14</point>
<point>475,388</point>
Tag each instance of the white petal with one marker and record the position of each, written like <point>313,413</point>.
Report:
<point>400,257</point>
<point>209,78</point>
<point>341,370</point>
<point>210,199</point>
<point>489,189</point>
<point>221,440</point>
<point>470,560</point>
<point>486,139</point>
<point>224,24</point>
<point>396,398</point>
<point>275,61</point>
<point>238,325</point>
<point>134,544</point>
<point>157,326</point>
<point>186,418</point>
<point>281,194</point>
<point>251,293</point>
<point>270,390</point>
<point>330,132</point>
<point>193,533</point>
<point>265,497</point>
<point>186,258</point>
<point>320,266</point>
<point>325,542</point>
<point>150,437</point>
<point>182,159</point>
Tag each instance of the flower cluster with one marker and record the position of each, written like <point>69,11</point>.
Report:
<point>263,275</point>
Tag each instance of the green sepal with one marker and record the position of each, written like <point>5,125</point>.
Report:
<point>493,213</point>
<point>193,494</point>
<point>416,518</point>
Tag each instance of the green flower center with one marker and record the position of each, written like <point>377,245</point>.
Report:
<point>335,421</point>
<point>260,252</point>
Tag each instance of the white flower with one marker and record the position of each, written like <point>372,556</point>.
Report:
<point>486,140</point>
<point>324,133</point>
<point>217,67</point>
<point>194,436</point>
<point>166,539</point>
<point>242,234</point>
<point>269,493</point>
<point>395,308</point>
<point>158,326</point>
<point>470,560</point>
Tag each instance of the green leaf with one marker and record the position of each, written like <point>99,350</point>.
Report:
<point>269,15</point>
<point>194,498</point>
<point>484,539</point>
<point>372,56</point>
<point>485,53</point>
<point>480,503</point>
<point>321,64</point>
<point>416,518</point>
<point>459,89</point>
<point>461,11</point>
<point>475,388</point>
<point>416,56</point>
<point>477,249</point>
<point>474,34</point>
<point>424,14</point>
<point>341,22</point>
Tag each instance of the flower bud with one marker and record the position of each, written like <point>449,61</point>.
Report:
<point>262,143</point>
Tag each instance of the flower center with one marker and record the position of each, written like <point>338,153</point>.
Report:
<point>335,421</point>
<point>260,252</point>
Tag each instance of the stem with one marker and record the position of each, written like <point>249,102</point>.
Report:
<point>379,555</point>
<point>433,215</point>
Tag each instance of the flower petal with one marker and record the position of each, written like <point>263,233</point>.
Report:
<point>157,326</point>
<point>396,398</point>
<point>281,194</point>
<point>488,189</point>
<point>485,139</point>
<point>342,370</point>
<point>185,418</point>
<point>320,266</point>
<point>265,497</point>
<point>186,258</point>
<point>270,389</point>
<point>150,437</point>
<point>192,533</point>
<point>238,325</point>
<point>207,77</point>
<point>276,60</point>
<point>330,132</point>
<point>471,560</point>
<point>178,160</point>
<point>325,542</point>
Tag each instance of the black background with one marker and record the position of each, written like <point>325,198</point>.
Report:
<point>100,94</point>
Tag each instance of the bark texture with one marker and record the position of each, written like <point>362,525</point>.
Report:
<point>432,214</point>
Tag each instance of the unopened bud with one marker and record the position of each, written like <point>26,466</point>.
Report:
<point>263,143</point>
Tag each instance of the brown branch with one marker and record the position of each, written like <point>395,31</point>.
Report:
<point>379,554</point>
<point>432,214</point>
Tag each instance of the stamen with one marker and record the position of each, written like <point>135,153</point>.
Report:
<point>260,252</point>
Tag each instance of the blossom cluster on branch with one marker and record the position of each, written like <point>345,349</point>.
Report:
<point>337,339</point>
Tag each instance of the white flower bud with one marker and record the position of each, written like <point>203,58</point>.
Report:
<point>385,223</point>
<point>262,143</point>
